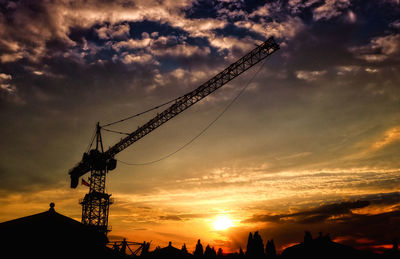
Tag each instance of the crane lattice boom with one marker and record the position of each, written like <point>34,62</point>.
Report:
<point>184,102</point>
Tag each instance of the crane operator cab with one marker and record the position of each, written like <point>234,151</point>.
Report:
<point>99,161</point>
<point>92,160</point>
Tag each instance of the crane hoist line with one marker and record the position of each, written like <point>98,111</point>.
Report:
<point>99,161</point>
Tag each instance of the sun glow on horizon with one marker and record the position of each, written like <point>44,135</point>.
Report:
<point>222,223</point>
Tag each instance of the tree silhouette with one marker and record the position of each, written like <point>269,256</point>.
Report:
<point>199,249</point>
<point>307,237</point>
<point>210,252</point>
<point>270,250</point>
<point>249,244</point>
<point>255,246</point>
<point>241,254</point>
<point>184,249</point>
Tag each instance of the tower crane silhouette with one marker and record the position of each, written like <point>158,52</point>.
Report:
<point>97,161</point>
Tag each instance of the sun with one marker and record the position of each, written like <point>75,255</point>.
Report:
<point>222,223</point>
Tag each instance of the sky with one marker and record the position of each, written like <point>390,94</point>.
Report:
<point>311,144</point>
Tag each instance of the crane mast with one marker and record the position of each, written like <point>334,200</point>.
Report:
<point>96,203</point>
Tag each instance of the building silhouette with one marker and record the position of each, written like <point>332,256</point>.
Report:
<point>49,235</point>
<point>322,247</point>
<point>170,252</point>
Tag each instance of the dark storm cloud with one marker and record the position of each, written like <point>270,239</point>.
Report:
<point>30,30</point>
<point>170,217</point>
<point>382,198</point>
<point>313,215</point>
<point>180,217</point>
<point>339,220</point>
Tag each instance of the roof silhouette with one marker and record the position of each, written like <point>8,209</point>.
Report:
<point>321,247</point>
<point>50,234</point>
<point>169,252</point>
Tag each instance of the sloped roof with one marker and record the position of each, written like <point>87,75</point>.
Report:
<point>50,233</point>
<point>320,247</point>
<point>170,252</point>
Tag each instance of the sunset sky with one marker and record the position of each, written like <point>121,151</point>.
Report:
<point>312,144</point>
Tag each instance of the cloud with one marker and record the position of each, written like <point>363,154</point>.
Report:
<point>371,70</point>
<point>11,57</point>
<point>8,88</point>
<point>331,9</point>
<point>395,24</point>
<point>187,216</point>
<point>354,69</point>
<point>118,31</point>
<point>310,75</point>
<point>389,137</point>
<point>198,27</point>
<point>5,84</point>
<point>350,69</point>
<point>392,198</point>
<point>141,58</point>
<point>5,77</point>
<point>296,6</point>
<point>170,217</point>
<point>286,29</point>
<point>266,20</point>
<point>33,31</point>
<point>324,10</point>
<point>263,11</point>
<point>112,22</point>
<point>379,49</point>
<point>148,49</point>
<point>28,28</point>
<point>229,43</point>
<point>144,42</point>
<point>313,215</point>
<point>160,48</point>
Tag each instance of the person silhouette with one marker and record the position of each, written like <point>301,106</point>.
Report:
<point>145,248</point>
<point>115,247</point>
<point>123,246</point>
<point>184,249</point>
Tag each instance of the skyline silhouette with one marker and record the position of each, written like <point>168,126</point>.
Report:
<point>51,233</point>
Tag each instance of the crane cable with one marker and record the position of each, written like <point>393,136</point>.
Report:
<point>91,141</point>
<point>203,130</point>
<point>115,131</point>
<point>136,115</point>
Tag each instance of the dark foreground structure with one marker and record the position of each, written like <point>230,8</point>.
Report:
<point>52,235</point>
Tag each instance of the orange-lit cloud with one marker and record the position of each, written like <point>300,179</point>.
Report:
<point>389,137</point>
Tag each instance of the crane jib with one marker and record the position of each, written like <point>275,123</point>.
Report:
<point>184,102</point>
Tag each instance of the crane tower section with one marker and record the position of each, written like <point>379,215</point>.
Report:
<point>96,203</point>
